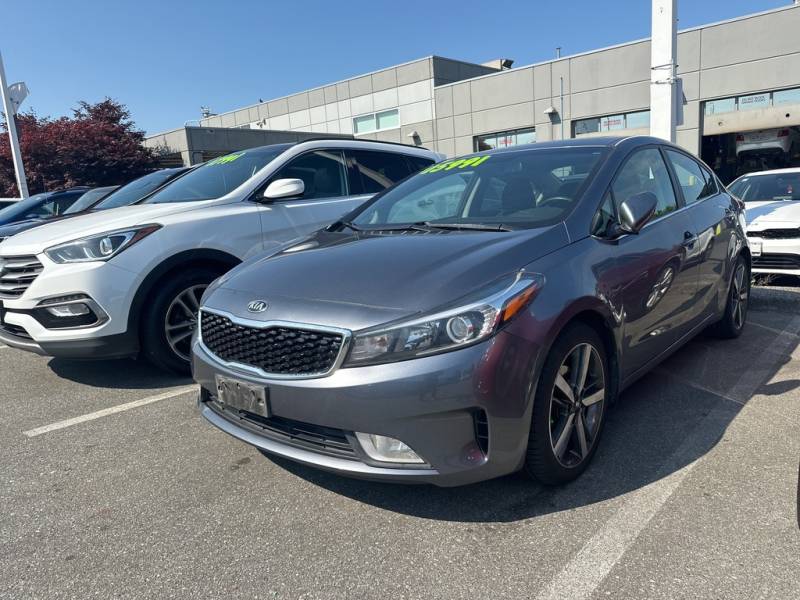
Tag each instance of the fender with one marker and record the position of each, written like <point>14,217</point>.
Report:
<point>199,256</point>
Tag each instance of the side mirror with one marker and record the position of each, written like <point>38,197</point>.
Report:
<point>284,188</point>
<point>636,211</point>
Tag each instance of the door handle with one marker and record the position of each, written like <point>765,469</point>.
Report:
<point>689,239</point>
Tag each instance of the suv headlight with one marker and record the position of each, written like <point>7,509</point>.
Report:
<point>99,247</point>
<point>463,324</point>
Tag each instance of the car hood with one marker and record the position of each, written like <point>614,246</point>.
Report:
<point>774,214</point>
<point>358,280</point>
<point>19,226</point>
<point>35,241</point>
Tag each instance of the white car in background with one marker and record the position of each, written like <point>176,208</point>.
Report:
<point>783,141</point>
<point>128,281</point>
<point>772,202</point>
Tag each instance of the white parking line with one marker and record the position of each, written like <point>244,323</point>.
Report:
<point>772,329</point>
<point>109,411</point>
<point>581,577</point>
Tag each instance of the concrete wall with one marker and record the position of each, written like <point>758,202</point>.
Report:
<point>330,109</point>
<point>755,53</point>
<point>449,102</point>
<point>197,144</point>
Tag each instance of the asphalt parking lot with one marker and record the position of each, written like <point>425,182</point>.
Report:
<point>691,495</point>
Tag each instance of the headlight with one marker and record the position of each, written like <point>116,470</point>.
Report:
<point>99,247</point>
<point>449,329</point>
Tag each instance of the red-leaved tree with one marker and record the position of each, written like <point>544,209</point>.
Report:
<point>98,145</point>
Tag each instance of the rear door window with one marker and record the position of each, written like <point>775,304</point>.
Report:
<point>417,163</point>
<point>373,172</point>
<point>695,182</point>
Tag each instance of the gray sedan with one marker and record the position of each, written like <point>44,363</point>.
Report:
<point>478,318</point>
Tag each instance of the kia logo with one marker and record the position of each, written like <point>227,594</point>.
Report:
<point>257,306</point>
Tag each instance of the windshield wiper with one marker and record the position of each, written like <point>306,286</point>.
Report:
<point>348,224</point>
<point>466,226</point>
<point>377,228</point>
<point>425,226</point>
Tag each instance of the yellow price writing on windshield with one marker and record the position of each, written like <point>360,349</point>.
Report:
<point>224,160</point>
<point>459,163</point>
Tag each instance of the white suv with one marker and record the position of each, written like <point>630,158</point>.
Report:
<point>128,281</point>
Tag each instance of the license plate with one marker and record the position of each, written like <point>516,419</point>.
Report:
<point>240,395</point>
<point>756,247</point>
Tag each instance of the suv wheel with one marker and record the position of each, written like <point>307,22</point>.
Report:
<point>171,318</point>
<point>569,407</point>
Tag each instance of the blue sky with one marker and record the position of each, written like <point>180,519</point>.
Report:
<point>166,58</point>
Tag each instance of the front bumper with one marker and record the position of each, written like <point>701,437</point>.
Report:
<point>777,257</point>
<point>107,285</point>
<point>434,404</point>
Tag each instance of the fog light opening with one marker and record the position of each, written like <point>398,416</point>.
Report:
<point>387,449</point>
<point>66,311</point>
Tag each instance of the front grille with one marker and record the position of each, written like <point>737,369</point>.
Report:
<point>777,261</point>
<point>324,440</point>
<point>17,273</point>
<point>775,234</point>
<point>275,350</point>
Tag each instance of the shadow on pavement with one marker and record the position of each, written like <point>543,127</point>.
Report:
<point>645,439</point>
<point>115,374</point>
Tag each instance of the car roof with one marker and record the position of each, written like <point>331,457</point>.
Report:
<point>582,142</point>
<point>323,142</point>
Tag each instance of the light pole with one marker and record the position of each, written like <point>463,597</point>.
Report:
<point>10,111</point>
<point>664,83</point>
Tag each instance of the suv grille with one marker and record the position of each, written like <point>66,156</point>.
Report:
<point>775,234</point>
<point>17,273</point>
<point>777,261</point>
<point>276,350</point>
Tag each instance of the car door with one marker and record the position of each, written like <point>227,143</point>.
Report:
<point>652,281</point>
<point>713,214</point>
<point>325,199</point>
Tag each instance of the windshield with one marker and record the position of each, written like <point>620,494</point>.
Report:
<point>217,177</point>
<point>23,206</point>
<point>136,189</point>
<point>778,186</point>
<point>88,199</point>
<point>516,190</point>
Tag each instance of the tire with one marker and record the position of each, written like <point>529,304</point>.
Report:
<point>170,350</point>
<point>549,459</point>
<point>733,321</point>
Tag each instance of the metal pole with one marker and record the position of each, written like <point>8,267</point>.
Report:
<point>16,154</point>
<point>561,109</point>
<point>663,88</point>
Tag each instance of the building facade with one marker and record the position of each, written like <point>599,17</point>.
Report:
<point>737,76</point>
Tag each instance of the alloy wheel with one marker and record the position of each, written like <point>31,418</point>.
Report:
<point>739,297</point>
<point>181,320</point>
<point>576,405</point>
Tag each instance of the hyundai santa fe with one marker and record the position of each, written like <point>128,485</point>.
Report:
<point>479,317</point>
<point>128,281</point>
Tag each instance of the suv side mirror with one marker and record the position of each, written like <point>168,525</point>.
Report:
<point>284,188</point>
<point>636,211</point>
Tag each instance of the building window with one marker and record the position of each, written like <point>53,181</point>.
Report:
<point>633,120</point>
<point>504,139</point>
<point>387,119</point>
<point>752,101</point>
